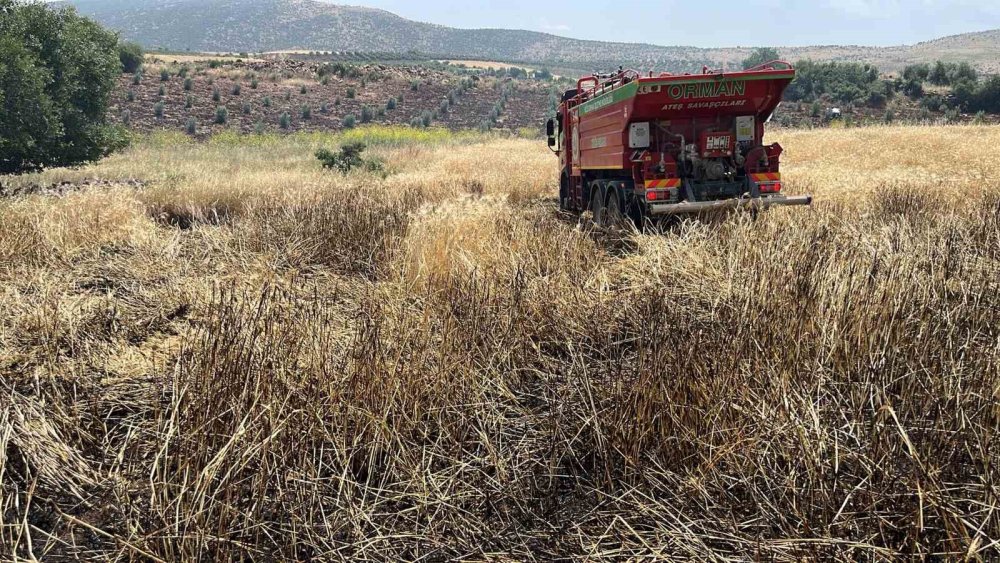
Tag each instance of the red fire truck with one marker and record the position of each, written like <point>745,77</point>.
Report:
<point>643,147</point>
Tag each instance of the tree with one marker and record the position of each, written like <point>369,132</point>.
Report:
<point>57,72</point>
<point>760,56</point>
<point>130,55</point>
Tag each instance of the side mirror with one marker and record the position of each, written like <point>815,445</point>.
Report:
<point>550,128</point>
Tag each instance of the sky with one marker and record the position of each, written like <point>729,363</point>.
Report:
<point>714,23</point>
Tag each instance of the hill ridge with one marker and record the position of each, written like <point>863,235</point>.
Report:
<point>233,26</point>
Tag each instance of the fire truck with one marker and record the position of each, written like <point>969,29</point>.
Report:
<point>645,147</point>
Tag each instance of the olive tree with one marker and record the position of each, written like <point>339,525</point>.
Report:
<point>57,71</point>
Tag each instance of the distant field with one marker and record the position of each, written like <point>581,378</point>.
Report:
<point>487,64</point>
<point>220,351</point>
<point>154,58</point>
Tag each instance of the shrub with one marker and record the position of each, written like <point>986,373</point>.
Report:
<point>130,55</point>
<point>254,83</point>
<point>246,108</point>
<point>391,104</point>
<point>130,95</point>
<point>158,110</point>
<point>325,80</point>
<point>285,120</point>
<point>348,158</point>
<point>214,63</point>
<point>127,118</point>
<point>192,126</point>
<point>351,93</point>
<point>306,112</point>
<point>349,121</point>
<point>189,102</point>
<point>188,84</point>
<point>303,89</point>
<point>414,85</point>
<point>380,113</point>
<point>324,109</point>
<point>366,114</point>
<point>164,75</point>
<point>137,78</point>
<point>183,72</point>
<point>221,115</point>
<point>237,89</point>
<point>162,91</point>
<point>267,101</point>
<point>216,96</point>
<point>336,101</point>
<point>288,95</point>
<point>259,128</point>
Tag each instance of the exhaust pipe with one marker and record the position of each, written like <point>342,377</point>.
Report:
<point>686,207</point>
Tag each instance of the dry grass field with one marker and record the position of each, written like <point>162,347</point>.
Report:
<point>220,351</point>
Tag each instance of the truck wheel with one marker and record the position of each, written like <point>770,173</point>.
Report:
<point>613,216</point>
<point>597,206</point>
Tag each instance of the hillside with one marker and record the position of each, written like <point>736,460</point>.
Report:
<point>269,25</point>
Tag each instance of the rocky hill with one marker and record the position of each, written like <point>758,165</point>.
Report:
<point>270,25</point>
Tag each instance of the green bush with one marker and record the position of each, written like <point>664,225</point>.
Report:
<point>391,104</point>
<point>237,89</point>
<point>130,95</point>
<point>214,63</point>
<point>126,118</point>
<point>306,112</point>
<point>137,78</point>
<point>254,83</point>
<point>216,95</point>
<point>189,102</point>
<point>303,89</point>
<point>366,114</point>
<point>188,84</point>
<point>350,121</point>
<point>348,158</point>
<point>164,75</point>
<point>158,110</point>
<point>844,82</point>
<point>267,101</point>
<point>285,120</point>
<point>130,55</point>
<point>192,126</point>
<point>246,108</point>
<point>162,91</point>
<point>221,115</point>
<point>351,93</point>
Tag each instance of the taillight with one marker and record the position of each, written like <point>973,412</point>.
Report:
<point>651,195</point>
<point>770,188</point>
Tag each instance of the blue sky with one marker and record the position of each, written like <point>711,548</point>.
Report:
<point>714,23</point>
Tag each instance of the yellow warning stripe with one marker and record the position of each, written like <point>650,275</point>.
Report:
<point>766,177</point>
<point>663,184</point>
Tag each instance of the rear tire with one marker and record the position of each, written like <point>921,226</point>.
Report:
<point>597,206</point>
<point>613,217</point>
